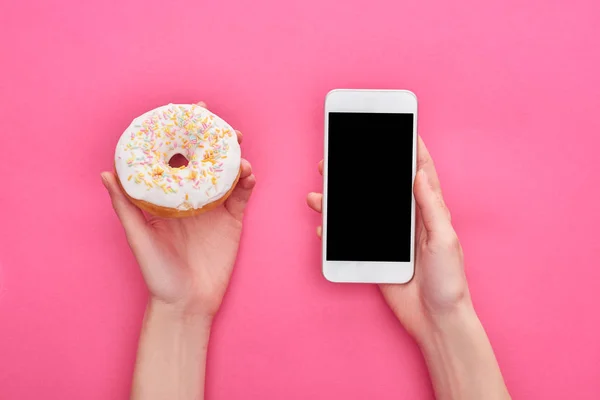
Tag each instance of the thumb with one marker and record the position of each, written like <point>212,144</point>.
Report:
<point>131,217</point>
<point>236,203</point>
<point>431,205</point>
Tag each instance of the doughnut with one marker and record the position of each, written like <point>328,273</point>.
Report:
<point>147,146</point>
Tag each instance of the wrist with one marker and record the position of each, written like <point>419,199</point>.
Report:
<point>179,314</point>
<point>460,319</point>
<point>460,357</point>
<point>172,352</point>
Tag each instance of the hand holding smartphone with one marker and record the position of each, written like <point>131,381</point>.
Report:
<point>369,170</point>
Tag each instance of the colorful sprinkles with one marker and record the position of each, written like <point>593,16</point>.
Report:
<point>177,129</point>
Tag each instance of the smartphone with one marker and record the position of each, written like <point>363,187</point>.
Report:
<point>368,174</point>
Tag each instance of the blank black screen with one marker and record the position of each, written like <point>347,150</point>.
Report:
<point>369,187</point>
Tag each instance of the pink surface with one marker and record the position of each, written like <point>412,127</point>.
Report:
<point>509,108</point>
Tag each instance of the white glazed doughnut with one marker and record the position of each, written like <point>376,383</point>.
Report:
<point>208,143</point>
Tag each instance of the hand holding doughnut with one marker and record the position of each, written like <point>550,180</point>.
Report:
<point>186,262</point>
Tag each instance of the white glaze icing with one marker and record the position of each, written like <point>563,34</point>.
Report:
<point>145,148</point>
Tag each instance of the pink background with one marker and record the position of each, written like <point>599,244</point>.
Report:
<point>509,104</point>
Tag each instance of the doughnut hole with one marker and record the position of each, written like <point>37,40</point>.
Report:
<point>178,161</point>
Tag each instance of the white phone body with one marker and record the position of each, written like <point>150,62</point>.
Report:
<point>339,102</point>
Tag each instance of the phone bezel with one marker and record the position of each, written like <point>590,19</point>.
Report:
<point>372,101</point>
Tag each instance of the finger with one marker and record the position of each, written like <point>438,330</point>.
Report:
<point>315,201</point>
<point>431,206</point>
<point>237,202</point>
<point>131,217</point>
<point>425,163</point>
<point>320,231</point>
<point>321,167</point>
<point>245,169</point>
<point>419,229</point>
<point>202,104</point>
<point>247,183</point>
